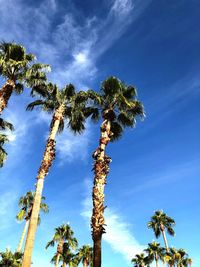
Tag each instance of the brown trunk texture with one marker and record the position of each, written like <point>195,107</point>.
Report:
<point>101,170</point>
<point>48,157</point>
<point>5,94</point>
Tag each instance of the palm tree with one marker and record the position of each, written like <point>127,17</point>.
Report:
<point>3,154</point>
<point>26,204</point>
<point>155,252</point>
<point>64,237</point>
<point>17,67</point>
<point>159,222</point>
<point>119,108</point>
<point>4,125</point>
<point>141,260</point>
<point>65,104</point>
<point>9,259</point>
<point>85,254</point>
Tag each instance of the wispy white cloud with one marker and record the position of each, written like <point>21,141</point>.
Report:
<point>118,234</point>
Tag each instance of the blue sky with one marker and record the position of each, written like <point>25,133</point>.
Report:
<point>151,44</point>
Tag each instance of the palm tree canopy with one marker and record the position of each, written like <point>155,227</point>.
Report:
<point>75,105</point>
<point>141,260</point>
<point>26,204</point>
<point>85,253</point>
<point>3,155</point>
<point>154,249</point>
<point>117,103</point>
<point>9,259</point>
<point>160,219</point>
<point>17,65</point>
<point>64,233</point>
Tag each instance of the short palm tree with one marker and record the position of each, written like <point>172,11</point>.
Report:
<point>159,222</point>
<point>118,109</point>
<point>17,67</point>
<point>64,237</point>
<point>9,259</point>
<point>26,204</point>
<point>155,251</point>
<point>64,104</point>
<point>141,260</point>
<point>85,255</point>
<point>4,125</point>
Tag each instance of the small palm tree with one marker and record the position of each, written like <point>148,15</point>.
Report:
<point>26,204</point>
<point>141,260</point>
<point>118,109</point>
<point>64,237</point>
<point>3,154</point>
<point>4,125</point>
<point>155,251</point>
<point>159,222</point>
<point>9,259</point>
<point>64,104</point>
<point>17,67</point>
<point>85,255</point>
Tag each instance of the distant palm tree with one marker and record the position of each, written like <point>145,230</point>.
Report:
<point>159,222</point>
<point>141,260</point>
<point>67,105</point>
<point>3,154</point>
<point>155,251</point>
<point>4,125</point>
<point>26,204</point>
<point>119,110</point>
<point>9,259</point>
<point>85,255</point>
<point>64,237</point>
<point>17,67</point>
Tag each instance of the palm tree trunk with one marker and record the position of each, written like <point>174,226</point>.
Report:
<point>156,262</point>
<point>48,157</point>
<point>19,248</point>
<point>5,94</point>
<point>101,170</point>
<point>57,260</point>
<point>164,237</point>
<point>64,264</point>
<point>85,263</point>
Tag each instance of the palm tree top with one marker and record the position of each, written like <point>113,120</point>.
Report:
<point>26,204</point>
<point>65,233</point>
<point>76,107</point>
<point>17,65</point>
<point>117,103</point>
<point>141,260</point>
<point>159,220</point>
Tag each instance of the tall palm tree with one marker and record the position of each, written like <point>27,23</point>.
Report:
<point>118,109</point>
<point>64,237</point>
<point>159,222</point>
<point>26,204</point>
<point>9,259</point>
<point>17,67</point>
<point>64,104</point>
<point>4,125</point>
<point>85,255</point>
<point>141,260</point>
<point>155,251</point>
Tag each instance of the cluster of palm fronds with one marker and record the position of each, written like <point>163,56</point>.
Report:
<point>154,252</point>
